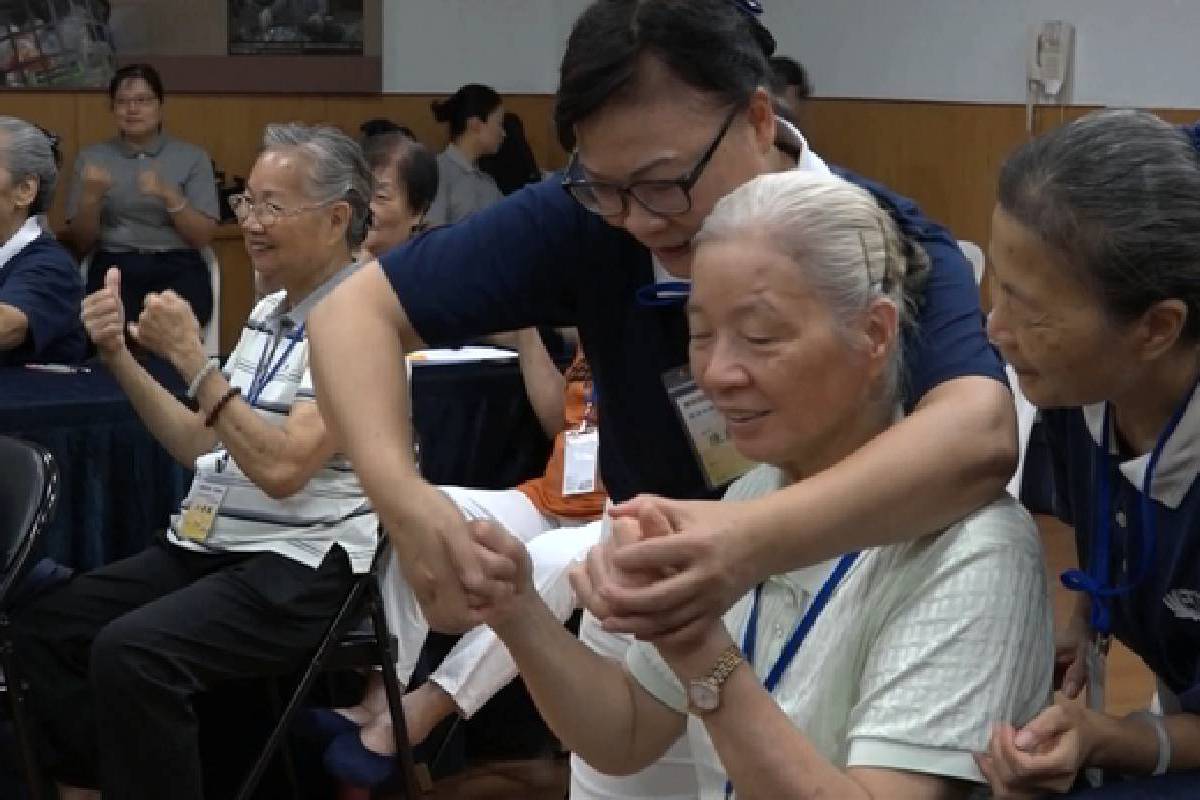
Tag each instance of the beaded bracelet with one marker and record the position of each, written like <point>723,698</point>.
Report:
<point>211,419</point>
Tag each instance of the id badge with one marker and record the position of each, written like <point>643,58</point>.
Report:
<point>719,460</point>
<point>581,458</point>
<point>201,513</point>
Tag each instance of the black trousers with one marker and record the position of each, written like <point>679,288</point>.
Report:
<point>182,271</point>
<point>114,657</point>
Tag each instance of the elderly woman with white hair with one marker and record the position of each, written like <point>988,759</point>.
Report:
<point>878,674</point>
<point>275,526</point>
<point>40,289</point>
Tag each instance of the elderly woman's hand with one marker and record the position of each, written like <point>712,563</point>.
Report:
<point>702,567</point>
<point>506,565</point>
<point>103,315</point>
<point>168,328</point>
<point>1043,757</point>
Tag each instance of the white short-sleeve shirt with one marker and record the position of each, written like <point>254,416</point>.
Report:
<point>332,508</point>
<point>921,650</point>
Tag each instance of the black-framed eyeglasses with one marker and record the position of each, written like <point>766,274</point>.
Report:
<point>663,197</point>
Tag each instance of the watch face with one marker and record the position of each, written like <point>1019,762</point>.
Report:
<point>704,694</point>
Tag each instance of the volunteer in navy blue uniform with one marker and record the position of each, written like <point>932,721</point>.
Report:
<point>668,104</point>
<point>1095,253</point>
<point>40,291</point>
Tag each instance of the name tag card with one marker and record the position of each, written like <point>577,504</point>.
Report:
<point>582,456</point>
<point>718,459</point>
<point>201,513</point>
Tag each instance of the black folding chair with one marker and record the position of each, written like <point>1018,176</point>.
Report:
<point>28,493</point>
<point>349,644</point>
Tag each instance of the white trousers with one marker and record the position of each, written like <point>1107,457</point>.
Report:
<point>479,666</point>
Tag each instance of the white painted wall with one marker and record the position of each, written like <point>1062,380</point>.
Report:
<point>1127,52</point>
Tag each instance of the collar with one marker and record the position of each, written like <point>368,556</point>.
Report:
<point>789,139</point>
<point>298,315</point>
<point>152,148</point>
<point>460,158</point>
<point>25,235</point>
<point>1177,467</point>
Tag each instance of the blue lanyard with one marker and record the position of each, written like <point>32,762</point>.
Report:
<point>788,653</point>
<point>1095,581</point>
<point>663,293</point>
<point>261,379</point>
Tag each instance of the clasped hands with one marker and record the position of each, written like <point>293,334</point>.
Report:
<point>167,327</point>
<point>666,575</point>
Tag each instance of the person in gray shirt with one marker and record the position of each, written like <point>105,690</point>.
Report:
<point>144,201</point>
<point>475,114</point>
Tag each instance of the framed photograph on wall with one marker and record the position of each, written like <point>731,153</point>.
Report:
<point>296,27</point>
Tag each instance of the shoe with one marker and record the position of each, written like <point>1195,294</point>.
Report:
<point>349,761</point>
<point>322,725</point>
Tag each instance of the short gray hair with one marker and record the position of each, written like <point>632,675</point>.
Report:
<point>337,169</point>
<point>26,152</point>
<point>1116,194</point>
<point>847,246</point>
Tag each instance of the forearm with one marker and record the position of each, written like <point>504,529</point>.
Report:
<point>180,430</point>
<point>272,457</point>
<point>85,225</point>
<point>953,454</point>
<point>764,754</point>
<point>195,227</point>
<point>1130,745</point>
<point>543,382</point>
<point>560,672</point>
<point>14,327</point>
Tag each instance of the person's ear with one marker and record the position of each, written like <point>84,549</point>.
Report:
<point>881,333</point>
<point>1160,327</point>
<point>25,192</point>
<point>761,114</point>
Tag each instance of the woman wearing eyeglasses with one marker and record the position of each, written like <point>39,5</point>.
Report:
<point>668,102</point>
<point>144,201</point>
<point>259,558</point>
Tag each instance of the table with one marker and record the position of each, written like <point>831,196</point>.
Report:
<point>118,486</point>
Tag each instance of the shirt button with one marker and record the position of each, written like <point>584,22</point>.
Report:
<point>1120,519</point>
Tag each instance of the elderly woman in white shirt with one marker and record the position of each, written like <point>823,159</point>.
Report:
<point>884,670</point>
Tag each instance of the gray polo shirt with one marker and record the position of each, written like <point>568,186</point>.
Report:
<point>463,189</point>
<point>130,220</point>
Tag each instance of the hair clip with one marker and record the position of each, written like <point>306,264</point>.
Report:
<point>752,7</point>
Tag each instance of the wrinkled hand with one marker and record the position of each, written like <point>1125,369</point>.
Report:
<point>103,315</point>
<point>506,565</point>
<point>447,569</point>
<point>595,579</point>
<point>96,180</point>
<point>1070,655</point>
<point>168,328</point>
<point>702,566</point>
<point>1043,757</point>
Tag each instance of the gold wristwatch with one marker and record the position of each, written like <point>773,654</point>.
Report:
<point>704,694</point>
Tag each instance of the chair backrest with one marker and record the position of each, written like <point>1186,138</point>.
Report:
<point>28,493</point>
<point>974,254</point>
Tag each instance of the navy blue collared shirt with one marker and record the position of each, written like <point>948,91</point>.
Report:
<point>1160,618</point>
<point>42,281</point>
<point>539,258</point>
